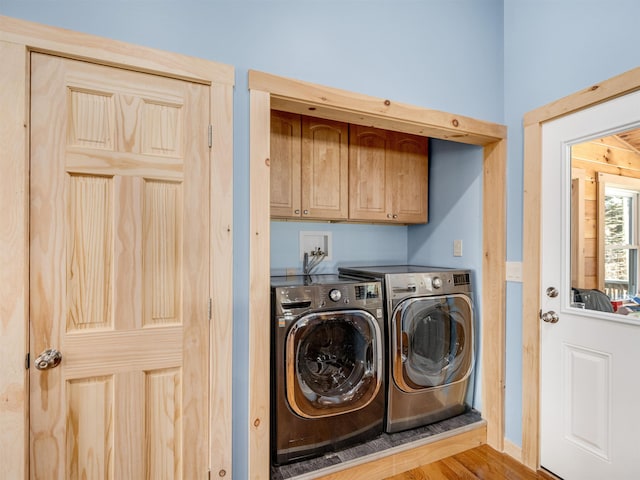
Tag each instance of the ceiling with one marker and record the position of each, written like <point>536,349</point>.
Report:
<point>631,138</point>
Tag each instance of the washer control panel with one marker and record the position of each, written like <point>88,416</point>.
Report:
<point>294,300</point>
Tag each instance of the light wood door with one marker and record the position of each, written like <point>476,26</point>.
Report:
<point>407,175</point>
<point>285,164</point>
<point>589,382</point>
<point>369,195</point>
<point>325,169</point>
<point>119,273</point>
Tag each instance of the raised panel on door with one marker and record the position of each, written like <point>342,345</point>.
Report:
<point>119,273</point>
<point>407,176</point>
<point>325,169</point>
<point>368,194</point>
<point>285,164</point>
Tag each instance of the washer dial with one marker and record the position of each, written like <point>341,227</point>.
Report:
<point>335,294</point>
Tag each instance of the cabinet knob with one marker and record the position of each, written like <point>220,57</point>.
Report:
<point>306,212</point>
<point>297,211</point>
<point>395,215</point>
<point>388,215</point>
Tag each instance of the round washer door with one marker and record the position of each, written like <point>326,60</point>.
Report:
<point>433,340</point>
<point>333,363</point>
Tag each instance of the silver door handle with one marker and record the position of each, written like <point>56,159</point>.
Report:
<point>50,358</point>
<point>549,317</point>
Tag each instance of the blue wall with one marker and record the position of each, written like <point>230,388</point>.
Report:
<point>489,59</point>
<point>552,49</point>
<point>351,244</point>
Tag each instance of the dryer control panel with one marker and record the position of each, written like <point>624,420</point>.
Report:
<point>420,284</point>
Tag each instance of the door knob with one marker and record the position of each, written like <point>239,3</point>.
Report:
<point>50,358</point>
<point>552,292</point>
<point>549,317</point>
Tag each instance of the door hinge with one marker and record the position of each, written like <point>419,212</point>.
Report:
<point>210,136</point>
<point>27,361</point>
<point>210,308</point>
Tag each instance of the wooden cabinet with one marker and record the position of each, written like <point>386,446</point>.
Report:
<point>285,160</point>
<point>328,170</point>
<point>309,167</point>
<point>387,176</point>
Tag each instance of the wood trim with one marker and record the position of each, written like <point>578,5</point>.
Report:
<point>494,291</point>
<point>577,227</point>
<point>600,229</point>
<point>259,297</point>
<point>295,96</point>
<point>221,271</point>
<point>531,296</point>
<point>397,462</point>
<point>14,286</point>
<point>17,39</point>
<point>82,46</point>
<point>513,450</point>
<point>601,92</point>
<point>299,97</point>
<point>609,89</point>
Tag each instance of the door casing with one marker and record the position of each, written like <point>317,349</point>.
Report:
<point>17,40</point>
<point>614,87</point>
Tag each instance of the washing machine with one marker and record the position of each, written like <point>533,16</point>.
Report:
<point>327,377</point>
<point>430,341</point>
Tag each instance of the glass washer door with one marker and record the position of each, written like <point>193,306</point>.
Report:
<point>433,340</point>
<point>333,363</point>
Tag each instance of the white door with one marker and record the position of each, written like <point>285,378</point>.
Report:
<point>590,385</point>
<point>119,199</point>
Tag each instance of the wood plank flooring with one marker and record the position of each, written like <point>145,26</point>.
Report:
<point>480,463</point>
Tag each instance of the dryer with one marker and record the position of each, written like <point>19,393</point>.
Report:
<point>327,377</point>
<point>429,338</point>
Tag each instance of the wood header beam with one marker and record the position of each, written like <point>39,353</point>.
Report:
<point>331,103</point>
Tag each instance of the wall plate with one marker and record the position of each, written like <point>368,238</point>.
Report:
<point>311,241</point>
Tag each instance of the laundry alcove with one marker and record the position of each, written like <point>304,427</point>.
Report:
<point>269,92</point>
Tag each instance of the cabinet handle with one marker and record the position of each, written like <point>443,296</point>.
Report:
<point>297,211</point>
<point>306,212</point>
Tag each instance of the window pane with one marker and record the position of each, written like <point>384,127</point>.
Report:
<point>618,219</point>
<point>620,272</point>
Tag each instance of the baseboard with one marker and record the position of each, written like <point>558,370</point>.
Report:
<point>512,450</point>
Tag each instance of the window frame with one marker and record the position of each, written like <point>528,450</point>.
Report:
<point>630,184</point>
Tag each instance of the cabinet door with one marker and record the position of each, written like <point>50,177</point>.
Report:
<point>407,178</point>
<point>368,196</point>
<point>285,164</point>
<point>325,168</point>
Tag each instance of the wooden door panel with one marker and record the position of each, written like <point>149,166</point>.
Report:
<point>285,160</point>
<point>408,177</point>
<point>119,273</point>
<point>325,168</point>
<point>368,148</point>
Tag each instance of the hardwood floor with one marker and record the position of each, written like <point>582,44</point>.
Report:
<point>480,463</point>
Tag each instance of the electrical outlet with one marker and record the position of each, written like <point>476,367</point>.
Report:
<point>457,248</point>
